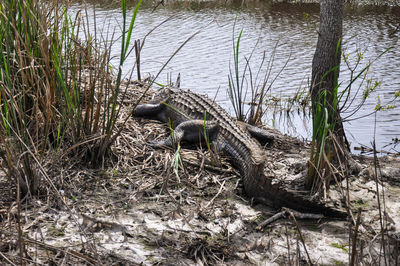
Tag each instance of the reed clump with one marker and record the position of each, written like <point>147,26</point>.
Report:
<point>247,89</point>
<point>56,88</point>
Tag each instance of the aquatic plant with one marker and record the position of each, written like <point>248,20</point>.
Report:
<point>240,82</point>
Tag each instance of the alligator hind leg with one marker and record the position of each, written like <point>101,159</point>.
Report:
<point>191,131</point>
<point>263,136</point>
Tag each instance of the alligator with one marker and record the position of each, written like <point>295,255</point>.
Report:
<point>196,118</point>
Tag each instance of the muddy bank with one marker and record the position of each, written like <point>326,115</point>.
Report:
<point>138,210</point>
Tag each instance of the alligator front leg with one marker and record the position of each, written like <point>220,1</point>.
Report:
<point>151,110</point>
<point>191,131</point>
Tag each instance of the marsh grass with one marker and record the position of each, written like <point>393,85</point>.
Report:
<point>243,81</point>
<point>58,98</point>
<point>56,87</point>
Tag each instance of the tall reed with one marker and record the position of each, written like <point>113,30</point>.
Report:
<point>56,86</point>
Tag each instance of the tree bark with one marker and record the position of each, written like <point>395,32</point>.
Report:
<point>326,61</point>
<point>328,130</point>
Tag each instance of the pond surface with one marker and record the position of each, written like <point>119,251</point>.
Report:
<point>289,30</point>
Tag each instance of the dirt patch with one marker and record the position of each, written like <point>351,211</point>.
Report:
<point>140,209</point>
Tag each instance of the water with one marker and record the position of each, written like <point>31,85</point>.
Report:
<point>204,62</point>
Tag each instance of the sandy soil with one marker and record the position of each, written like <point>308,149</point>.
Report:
<point>137,209</point>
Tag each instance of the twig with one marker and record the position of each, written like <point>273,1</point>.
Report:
<point>216,195</point>
<point>9,261</point>
<point>301,215</point>
<point>288,244</point>
<point>20,242</point>
<point>57,249</point>
<point>272,219</point>
<point>53,248</point>
<point>173,230</point>
<point>284,213</point>
<point>376,165</point>
<point>301,236</point>
<point>353,248</point>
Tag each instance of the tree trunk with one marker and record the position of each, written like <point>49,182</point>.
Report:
<point>326,61</point>
<point>328,130</point>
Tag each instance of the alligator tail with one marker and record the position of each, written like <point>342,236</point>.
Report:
<point>275,196</point>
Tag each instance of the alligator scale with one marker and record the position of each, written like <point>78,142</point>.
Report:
<point>193,116</point>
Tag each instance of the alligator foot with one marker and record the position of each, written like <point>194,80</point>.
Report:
<point>192,131</point>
